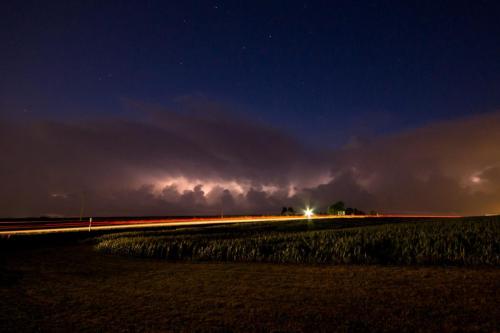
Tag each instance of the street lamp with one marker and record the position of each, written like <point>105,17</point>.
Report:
<point>308,212</point>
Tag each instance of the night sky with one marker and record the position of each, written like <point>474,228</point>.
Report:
<point>193,107</point>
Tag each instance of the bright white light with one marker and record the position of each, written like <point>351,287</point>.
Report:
<point>308,212</point>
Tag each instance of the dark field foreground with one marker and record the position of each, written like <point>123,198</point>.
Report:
<point>73,288</point>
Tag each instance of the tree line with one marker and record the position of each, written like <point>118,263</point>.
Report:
<point>338,208</point>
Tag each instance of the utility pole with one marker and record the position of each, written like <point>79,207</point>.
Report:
<point>90,223</point>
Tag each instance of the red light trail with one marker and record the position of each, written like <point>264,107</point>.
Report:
<point>40,227</point>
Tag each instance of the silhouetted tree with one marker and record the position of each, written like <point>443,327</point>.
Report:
<point>336,207</point>
<point>287,211</point>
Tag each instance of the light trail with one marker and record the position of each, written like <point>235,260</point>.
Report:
<point>44,227</point>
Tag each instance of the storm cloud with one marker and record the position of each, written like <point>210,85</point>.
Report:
<point>447,167</point>
<point>203,159</point>
<point>198,160</point>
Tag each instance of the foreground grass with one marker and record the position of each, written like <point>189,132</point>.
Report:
<point>72,288</point>
<point>474,241</point>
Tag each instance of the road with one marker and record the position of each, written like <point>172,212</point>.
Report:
<point>40,227</point>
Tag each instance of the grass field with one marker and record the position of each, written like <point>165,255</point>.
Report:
<point>457,242</point>
<point>61,283</point>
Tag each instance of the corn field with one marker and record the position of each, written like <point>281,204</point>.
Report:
<point>473,241</point>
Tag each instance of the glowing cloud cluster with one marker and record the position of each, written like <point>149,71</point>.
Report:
<point>204,161</point>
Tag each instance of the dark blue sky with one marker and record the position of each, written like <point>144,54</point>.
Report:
<point>325,69</point>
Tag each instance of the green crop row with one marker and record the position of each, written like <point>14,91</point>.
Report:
<point>455,242</point>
